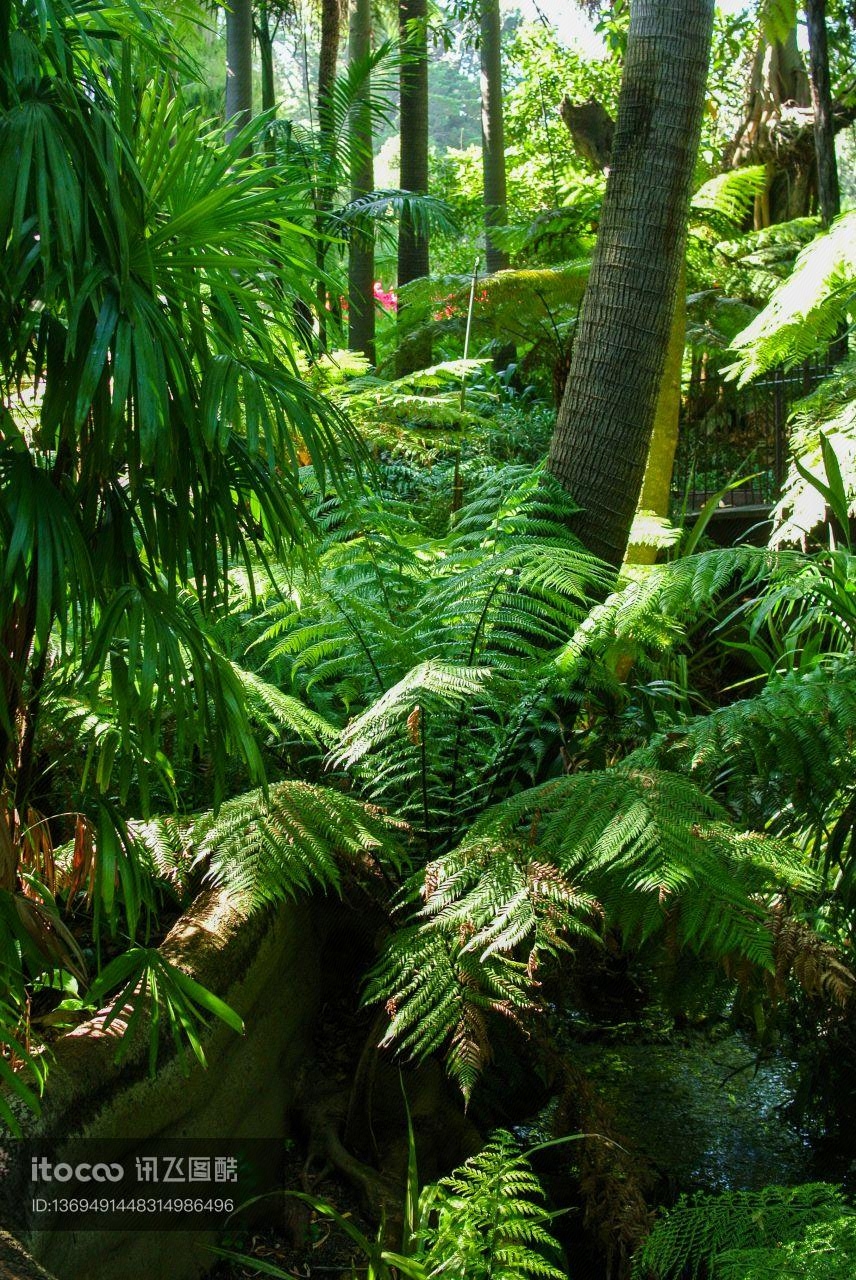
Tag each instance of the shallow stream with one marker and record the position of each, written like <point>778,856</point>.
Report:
<point>701,1111</point>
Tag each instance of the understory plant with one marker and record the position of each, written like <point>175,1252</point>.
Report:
<point>485,1221</point>
<point>807,1230</point>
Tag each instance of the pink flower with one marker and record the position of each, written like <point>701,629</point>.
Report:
<point>388,300</point>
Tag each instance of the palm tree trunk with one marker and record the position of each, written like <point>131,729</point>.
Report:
<point>600,444</point>
<point>493,132</point>
<point>412,242</point>
<point>829,193</point>
<point>239,65</point>
<point>361,309</point>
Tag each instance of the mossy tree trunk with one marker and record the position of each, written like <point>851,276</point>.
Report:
<point>657,481</point>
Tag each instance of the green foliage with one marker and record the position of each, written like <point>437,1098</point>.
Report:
<point>485,1221</point>
<point>263,847</point>
<point>826,1251</point>
<point>530,305</point>
<point>807,311</point>
<point>154,426</point>
<point>22,1075</point>
<point>828,413</point>
<point>645,850</point>
<point>726,200</point>
<point>777,19</point>
<point>741,1235</point>
<point>154,990</point>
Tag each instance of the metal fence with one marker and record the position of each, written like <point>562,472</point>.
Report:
<point>728,432</point>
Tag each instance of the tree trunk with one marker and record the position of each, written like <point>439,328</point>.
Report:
<point>413,353</point>
<point>328,59</point>
<point>775,131</point>
<point>265,39</point>
<point>657,483</point>
<point>600,444</point>
<point>493,140</point>
<point>361,307</point>
<point>829,195</point>
<point>239,65</point>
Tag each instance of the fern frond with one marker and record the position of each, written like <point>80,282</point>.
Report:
<point>730,196</point>
<point>652,615</point>
<point>690,1239</point>
<point>825,1251</point>
<point>278,710</point>
<point>486,1221</point>
<point>808,310</point>
<point>390,716</point>
<point>818,967</point>
<point>438,995</point>
<point>263,848</point>
<point>785,749</point>
<point>658,854</point>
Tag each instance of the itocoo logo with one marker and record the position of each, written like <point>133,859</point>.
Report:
<point>44,1171</point>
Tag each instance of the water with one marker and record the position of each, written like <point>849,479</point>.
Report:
<point>701,1112</point>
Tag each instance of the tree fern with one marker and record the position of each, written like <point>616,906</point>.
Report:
<point>825,1251</point>
<point>645,850</point>
<point>702,1232</point>
<point>652,616</point>
<point>782,752</point>
<point>807,311</point>
<point>263,847</point>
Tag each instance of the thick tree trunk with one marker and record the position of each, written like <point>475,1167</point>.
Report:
<point>493,134</point>
<point>239,65</point>
<point>412,243</point>
<point>600,444</point>
<point>829,195</point>
<point>328,60</point>
<point>361,306</point>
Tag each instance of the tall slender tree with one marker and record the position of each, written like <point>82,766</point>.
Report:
<point>828,191</point>
<point>413,353</point>
<point>328,60</point>
<point>493,131</point>
<point>361,309</point>
<point>239,65</point>
<point>600,444</point>
<point>265,28</point>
